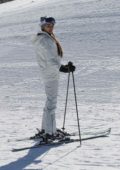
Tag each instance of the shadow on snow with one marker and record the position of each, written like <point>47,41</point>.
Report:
<point>28,159</point>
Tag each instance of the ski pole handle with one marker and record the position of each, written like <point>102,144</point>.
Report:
<point>71,67</point>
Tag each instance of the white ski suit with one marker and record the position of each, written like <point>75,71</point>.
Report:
<point>49,62</point>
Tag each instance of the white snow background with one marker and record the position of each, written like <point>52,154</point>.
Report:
<point>89,31</point>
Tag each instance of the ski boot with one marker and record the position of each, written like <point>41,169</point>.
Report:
<point>60,134</point>
<point>38,135</point>
<point>47,138</point>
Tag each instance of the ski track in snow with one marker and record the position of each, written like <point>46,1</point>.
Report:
<point>90,35</point>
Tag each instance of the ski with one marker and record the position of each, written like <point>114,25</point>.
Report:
<point>35,139</point>
<point>70,134</point>
<point>64,141</point>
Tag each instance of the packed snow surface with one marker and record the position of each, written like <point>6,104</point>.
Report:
<point>89,31</point>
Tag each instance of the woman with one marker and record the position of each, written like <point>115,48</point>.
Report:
<point>49,53</point>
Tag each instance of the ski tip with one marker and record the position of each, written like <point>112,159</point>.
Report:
<point>17,150</point>
<point>14,150</point>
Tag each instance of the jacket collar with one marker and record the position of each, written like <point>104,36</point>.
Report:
<point>44,33</point>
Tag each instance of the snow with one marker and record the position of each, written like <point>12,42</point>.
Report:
<point>89,33</point>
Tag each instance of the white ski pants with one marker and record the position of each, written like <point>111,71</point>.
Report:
<point>48,120</point>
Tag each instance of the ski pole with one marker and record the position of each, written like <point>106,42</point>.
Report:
<point>66,101</point>
<point>76,108</point>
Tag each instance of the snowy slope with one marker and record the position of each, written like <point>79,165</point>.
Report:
<point>90,35</point>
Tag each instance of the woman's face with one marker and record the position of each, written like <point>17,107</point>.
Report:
<point>49,28</point>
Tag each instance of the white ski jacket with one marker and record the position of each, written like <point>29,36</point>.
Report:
<point>47,56</point>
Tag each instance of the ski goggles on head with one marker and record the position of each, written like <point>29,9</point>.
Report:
<point>47,20</point>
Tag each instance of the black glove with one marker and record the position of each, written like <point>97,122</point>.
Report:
<point>67,68</point>
<point>64,68</point>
